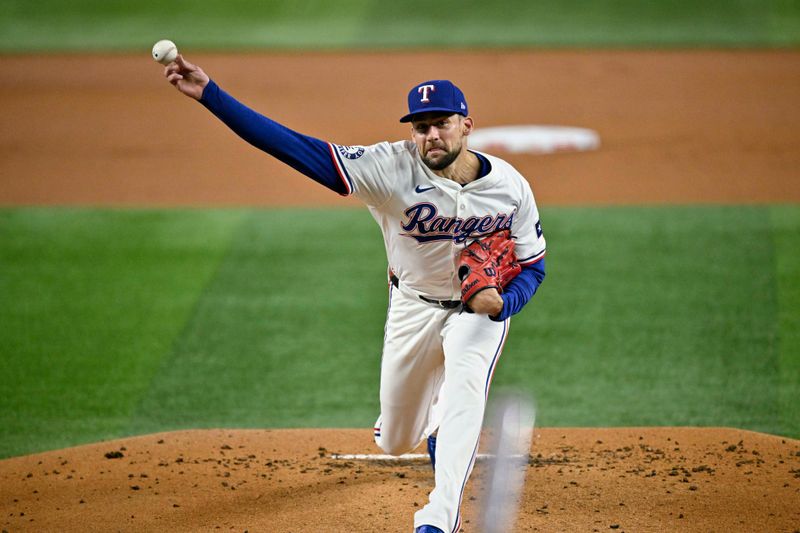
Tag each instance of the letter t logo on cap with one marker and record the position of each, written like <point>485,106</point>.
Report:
<point>424,90</point>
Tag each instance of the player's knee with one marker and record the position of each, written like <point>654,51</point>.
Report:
<point>395,446</point>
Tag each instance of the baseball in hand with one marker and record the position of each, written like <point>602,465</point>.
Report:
<point>165,51</point>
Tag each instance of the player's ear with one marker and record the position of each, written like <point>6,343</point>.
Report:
<point>467,125</point>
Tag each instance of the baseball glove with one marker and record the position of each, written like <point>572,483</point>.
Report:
<point>489,263</point>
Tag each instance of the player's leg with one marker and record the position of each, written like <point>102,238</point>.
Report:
<point>472,347</point>
<point>411,372</point>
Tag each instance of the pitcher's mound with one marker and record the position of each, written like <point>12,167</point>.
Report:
<point>655,479</point>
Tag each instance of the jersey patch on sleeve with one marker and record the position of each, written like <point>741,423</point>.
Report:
<point>350,152</point>
<point>343,175</point>
<point>539,231</point>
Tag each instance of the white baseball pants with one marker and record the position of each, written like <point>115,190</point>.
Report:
<point>435,374</point>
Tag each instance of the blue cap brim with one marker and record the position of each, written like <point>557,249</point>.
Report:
<point>410,116</point>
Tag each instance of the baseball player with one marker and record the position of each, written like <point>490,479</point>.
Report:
<point>465,251</point>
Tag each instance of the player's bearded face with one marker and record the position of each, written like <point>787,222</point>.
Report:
<point>439,158</point>
<point>439,139</point>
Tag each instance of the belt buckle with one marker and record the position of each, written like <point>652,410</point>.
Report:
<point>449,304</point>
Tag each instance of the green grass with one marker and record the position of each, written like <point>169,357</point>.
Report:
<point>92,302</point>
<point>662,316</point>
<point>786,239</point>
<point>292,326</point>
<point>120,322</point>
<point>95,25</point>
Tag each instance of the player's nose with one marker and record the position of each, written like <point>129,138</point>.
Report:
<point>433,133</point>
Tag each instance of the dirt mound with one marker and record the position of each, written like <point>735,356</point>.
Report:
<point>655,479</point>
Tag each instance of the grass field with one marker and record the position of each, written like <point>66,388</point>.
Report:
<point>94,25</point>
<point>120,322</point>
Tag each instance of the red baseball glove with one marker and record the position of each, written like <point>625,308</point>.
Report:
<point>489,263</point>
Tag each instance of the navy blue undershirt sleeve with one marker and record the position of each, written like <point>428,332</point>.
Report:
<point>486,166</point>
<point>303,153</point>
<point>520,290</point>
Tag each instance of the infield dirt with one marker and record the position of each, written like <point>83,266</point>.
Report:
<point>656,479</point>
<point>675,127</point>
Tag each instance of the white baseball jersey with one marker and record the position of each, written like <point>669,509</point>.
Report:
<point>426,219</point>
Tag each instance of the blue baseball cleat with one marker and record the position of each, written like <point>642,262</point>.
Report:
<point>432,451</point>
<point>428,529</point>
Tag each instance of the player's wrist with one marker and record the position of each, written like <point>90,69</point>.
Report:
<point>206,88</point>
<point>500,315</point>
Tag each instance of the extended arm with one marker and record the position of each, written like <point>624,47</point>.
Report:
<point>305,154</point>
